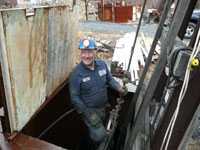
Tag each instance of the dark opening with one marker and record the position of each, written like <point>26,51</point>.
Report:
<point>68,132</point>
<point>3,117</point>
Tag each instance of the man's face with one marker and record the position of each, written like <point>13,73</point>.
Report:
<point>87,57</point>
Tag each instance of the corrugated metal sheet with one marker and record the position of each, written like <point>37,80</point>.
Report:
<point>61,47</point>
<point>37,57</point>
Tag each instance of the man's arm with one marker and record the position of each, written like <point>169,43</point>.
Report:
<point>89,115</point>
<point>74,87</point>
<point>112,82</point>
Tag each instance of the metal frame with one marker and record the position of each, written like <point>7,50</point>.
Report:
<point>166,47</point>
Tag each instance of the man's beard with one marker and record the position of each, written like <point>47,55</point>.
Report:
<point>91,64</point>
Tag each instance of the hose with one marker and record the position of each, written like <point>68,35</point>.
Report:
<point>55,122</point>
<point>170,128</point>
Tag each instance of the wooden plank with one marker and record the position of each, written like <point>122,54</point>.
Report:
<point>6,77</point>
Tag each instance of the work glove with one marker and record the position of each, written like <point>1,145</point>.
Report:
<point>123,91</point>
<point>93,119</point>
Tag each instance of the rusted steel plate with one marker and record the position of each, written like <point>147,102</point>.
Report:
<point>37,56</point>
<point>24,142</point>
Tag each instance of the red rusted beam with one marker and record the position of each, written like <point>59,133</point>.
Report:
<point>22,141</point>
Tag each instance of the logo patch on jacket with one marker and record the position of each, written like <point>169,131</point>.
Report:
<point>102,72</point>
<point>86,79</point>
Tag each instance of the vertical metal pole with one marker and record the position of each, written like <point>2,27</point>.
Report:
<point>103,10</point>
<point>86,9</point>
<point>166,46</point>
<point>136,35</point>
<point>113,12</point>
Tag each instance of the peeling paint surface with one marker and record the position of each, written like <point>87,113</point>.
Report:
<point>40,57</point>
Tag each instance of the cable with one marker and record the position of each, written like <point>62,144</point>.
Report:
<point>184,89</point>
<point>169,130</point>
<point>181,96</point>
<point>177,109</point>
<point>133,119</point>
<point>148,61</point>
<point>56,121</point>
<point>162,103</point>
<point>136,35</point>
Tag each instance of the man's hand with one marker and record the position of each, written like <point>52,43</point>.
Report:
<point>93,119</point>
<point>123,91</point>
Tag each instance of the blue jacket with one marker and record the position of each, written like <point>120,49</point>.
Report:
<point>88,88</point>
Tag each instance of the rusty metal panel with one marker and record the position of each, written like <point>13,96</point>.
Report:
<point>123,13</point>
<point>60,50</point>
<point>26,47</point>
<point>24,142</point>
<point>37,55</point>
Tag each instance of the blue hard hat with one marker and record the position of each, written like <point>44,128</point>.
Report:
<point>87,44</point>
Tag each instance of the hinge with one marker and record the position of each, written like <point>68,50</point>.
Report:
<point>30,12</point>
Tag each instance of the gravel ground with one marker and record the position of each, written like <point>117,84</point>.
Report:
<point>97,26</point>
<point>108,27</point>
<point>113,31</point>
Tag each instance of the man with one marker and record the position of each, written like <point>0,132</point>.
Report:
<point>88,89</point>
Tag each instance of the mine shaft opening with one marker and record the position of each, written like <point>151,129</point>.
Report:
<point>70,131</point>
